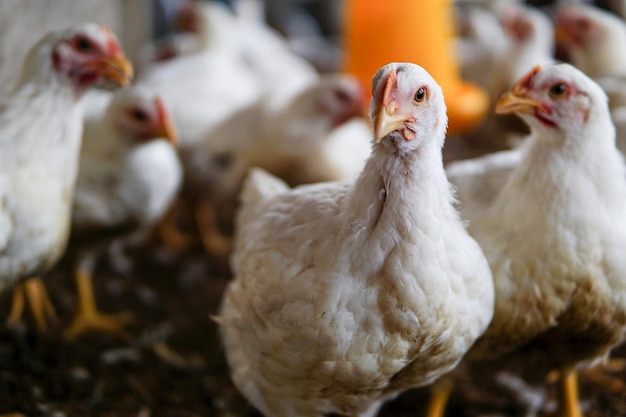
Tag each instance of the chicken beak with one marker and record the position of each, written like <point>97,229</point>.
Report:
<point>513,102</point>
<point>166,129</point>
<point>388,120</point>
<point>386,116</point>
<point>116,68</point>
<point>168,132</point>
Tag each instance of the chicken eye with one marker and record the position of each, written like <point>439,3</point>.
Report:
<point>420,94</point>
<point>557,89</point>
<point>139,115</point>
<point>342,96</point>
<point>84,45</point>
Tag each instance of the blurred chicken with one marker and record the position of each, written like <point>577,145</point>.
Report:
<point>265,51</point>
<point>202,90</point>
<point>302,138</point>
<point>128,176</point>
<point>347,293</point>
<point>521,38</point>
<point>554,234</point>
<point>531,33</point>
<point>209,26</point>
<point>594,40</point>
<point>481,42</point>
<point>40,132</point>
<point>479,180</point>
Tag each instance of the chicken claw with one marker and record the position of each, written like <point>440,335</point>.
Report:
<point>88,318</point>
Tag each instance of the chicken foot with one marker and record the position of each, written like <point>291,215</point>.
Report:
<point>34,291</point>
<point>88,318</point>
<point>215,243</point>
<point>170,232</point>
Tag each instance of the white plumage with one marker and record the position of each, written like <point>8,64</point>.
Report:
<point>40,132</point>
<point>594,41</point>
<point>347,293</point>
<point>554,233</point>
<point>129,175</point>
<point>126,176</point>
<point>315,134</point>
<point>514,37</point>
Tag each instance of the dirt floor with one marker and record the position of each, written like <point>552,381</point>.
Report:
<point>173,365</point>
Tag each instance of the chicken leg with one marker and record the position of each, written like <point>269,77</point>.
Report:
<point>39,303</point>
<point>88,318</point>
<point>170,232</point>
<point>568,398</point>
<point>216,243</point>
<point>568,401</point>
<point>440,392</point>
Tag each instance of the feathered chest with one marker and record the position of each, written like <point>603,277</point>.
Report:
<point>554,244</point>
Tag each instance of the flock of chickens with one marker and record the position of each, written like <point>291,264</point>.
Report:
<point>387,270</point>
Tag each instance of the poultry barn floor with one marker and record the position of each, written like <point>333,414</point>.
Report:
<point>173,365</point>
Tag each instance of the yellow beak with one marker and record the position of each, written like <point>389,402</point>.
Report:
<point>513,102</point>
<point>116,68</point>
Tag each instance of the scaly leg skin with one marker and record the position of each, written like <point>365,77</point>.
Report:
<point>170,233</point>
<point>214,241</point>
<point>39,303</point>
<point>568,401</point>
<point>439,395</point>
<point>88,318</point>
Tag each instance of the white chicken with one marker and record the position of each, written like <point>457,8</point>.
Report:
<point>128,176</point>
<point>479,180</point>
<point>302,138</point>
<point>265,51</point>
<point>347,293</point>
<point>592,39</point>
<point>554,234</point>
<point>481,42</point>
<point>521,38</point>
<point>531,34</point>
<point>40,135</point>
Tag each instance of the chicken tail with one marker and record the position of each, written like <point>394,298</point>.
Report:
<point>260,184</point>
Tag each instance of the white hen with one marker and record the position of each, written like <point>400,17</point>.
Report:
<point>40,132</point>
<point>266,52</point>
<point>555,233</point>
<point>129,174</point>
<point>592,39</point>
<point>524,38</point>
<point>202,89</point>
<point>302,138</point>
<point>347,293</point>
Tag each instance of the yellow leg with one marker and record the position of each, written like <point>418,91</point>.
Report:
<point>440,393</point>
<point>34,291</point>
<point>169,231</point>
<point>88,318</point>
<point>214,241</point>
<point>569,401</point>
<point>17,306</point>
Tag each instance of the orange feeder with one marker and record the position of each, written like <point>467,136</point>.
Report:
<point>419,31</point>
